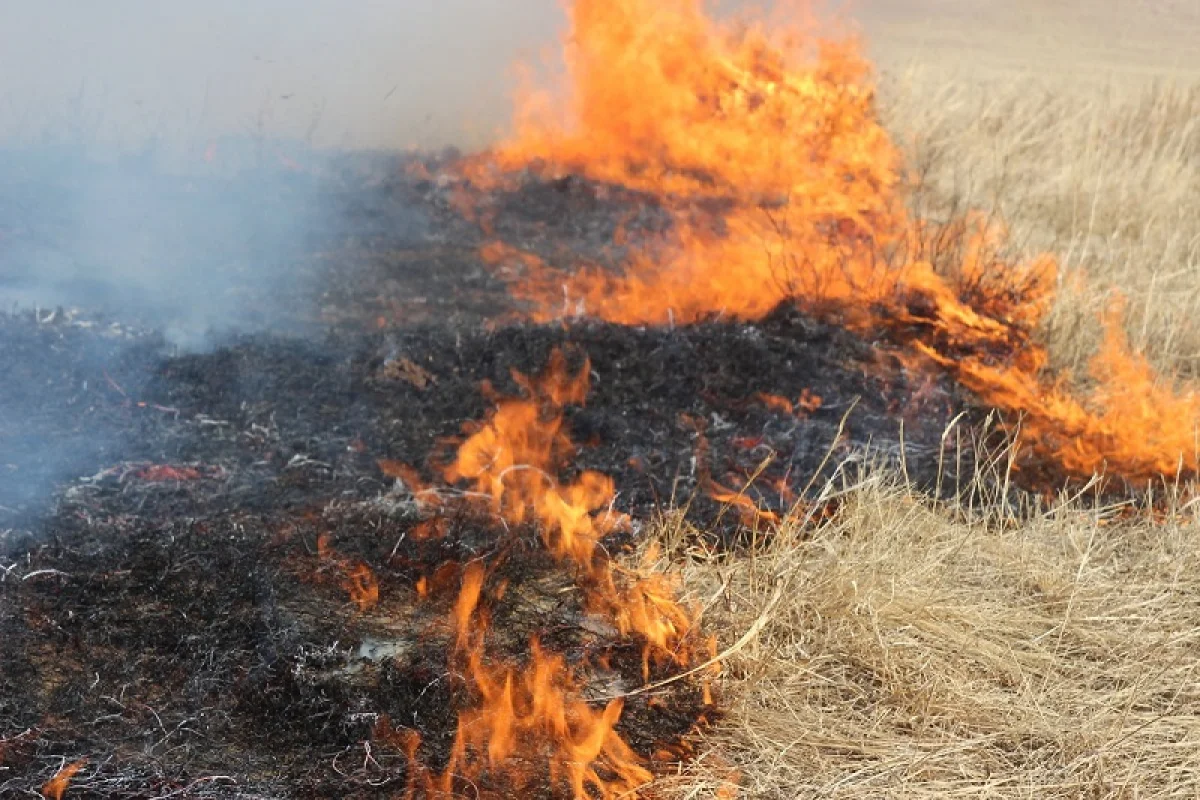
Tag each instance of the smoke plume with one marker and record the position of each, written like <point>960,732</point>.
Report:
<point>168,161</point>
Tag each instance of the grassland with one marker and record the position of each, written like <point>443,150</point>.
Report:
<point>910,649</point>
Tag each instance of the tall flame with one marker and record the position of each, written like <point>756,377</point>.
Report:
<point>764,146</point>
<point>530,726</point>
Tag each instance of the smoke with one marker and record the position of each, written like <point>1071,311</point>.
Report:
<point>194,167</point>
<point>345,73</point>
<point>170,162</point>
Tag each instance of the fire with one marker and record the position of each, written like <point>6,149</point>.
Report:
<point>538,709</point>
<point>530,724</point>
<point>1130,423</point>
<point>764,146</point>
<point>750,514</point>
<point>804,405</point>
<point>357,579</point>
<point>515,456</point>
<point>57,786</point>
<point>644,604</point>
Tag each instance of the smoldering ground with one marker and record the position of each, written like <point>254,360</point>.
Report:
<point>168,160</point>
<point>172,175</point>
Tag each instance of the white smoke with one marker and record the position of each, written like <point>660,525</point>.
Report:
<point>348,73</point>
<point>168,157</point>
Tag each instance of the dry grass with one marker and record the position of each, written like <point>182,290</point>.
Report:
<point>1106,176</point>
<point>910,650</point>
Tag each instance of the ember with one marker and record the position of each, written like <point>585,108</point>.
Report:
<point>57,786</point>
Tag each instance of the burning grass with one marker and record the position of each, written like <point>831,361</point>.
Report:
<point>765,148</point>
<point>1104,176</point>
<point>921,652</point>
<point>502,635</point>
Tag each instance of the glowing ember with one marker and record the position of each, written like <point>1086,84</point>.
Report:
<point>165,472</point>
<point>764,147</point>
<point>805,404</point>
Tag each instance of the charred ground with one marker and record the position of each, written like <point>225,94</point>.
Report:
<point>165,605</point>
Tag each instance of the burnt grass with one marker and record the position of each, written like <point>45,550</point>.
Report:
<point>165,609</point>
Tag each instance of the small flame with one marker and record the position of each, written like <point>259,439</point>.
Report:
<point>468,599</point>
<point>57,786</point>
<point>751,515</point>
<point>530,725</point>
<point>539,709</point>
<point>515,456</point>
<point>357,579</point>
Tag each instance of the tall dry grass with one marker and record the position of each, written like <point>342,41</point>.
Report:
<point>907,649</point>
<point>1104,175</point>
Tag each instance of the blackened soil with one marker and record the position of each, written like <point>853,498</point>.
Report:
<point>176,528</point>
<point>175,626</point>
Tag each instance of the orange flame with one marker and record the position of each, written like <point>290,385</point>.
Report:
<point>468,599</point>
<point>539,710</point>
<point>805,404</point>
<point>357,579</point>
<point>1130,424</point>
<point>514,458</point>
<point>531,725</point>
<point>57,786</point>
<point>764,146</point>
<point>527,726</point>
<point>644,604</point>
<point>750,514</point>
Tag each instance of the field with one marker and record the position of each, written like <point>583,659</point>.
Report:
<point>910,649</point>
<point>752,419</point>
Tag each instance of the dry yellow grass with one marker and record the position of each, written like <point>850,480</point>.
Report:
<point>908,649</point>
<point>1107,177</point>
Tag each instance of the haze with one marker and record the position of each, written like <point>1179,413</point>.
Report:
<point>352,73</point>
